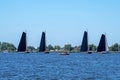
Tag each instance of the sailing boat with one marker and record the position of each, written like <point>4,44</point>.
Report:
<point>102,47</point>
<point>42,47</point>
<point>22,47</point>
<point>84,46</point>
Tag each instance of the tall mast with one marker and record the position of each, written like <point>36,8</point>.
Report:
<point>26,40</point>
<point>87,41</point>
<point>45,40</point>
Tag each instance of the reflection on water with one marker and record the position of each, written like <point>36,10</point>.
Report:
<point>76,66</point>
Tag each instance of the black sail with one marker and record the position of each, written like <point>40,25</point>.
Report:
<point>22,45</point>
<point>102,44</point>
<point>42,47</point>
<point>84,46</point>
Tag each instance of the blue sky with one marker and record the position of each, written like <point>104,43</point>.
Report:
<point>63,20</point>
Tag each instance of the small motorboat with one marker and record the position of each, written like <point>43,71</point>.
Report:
<point>64,53</point>
<point>105,52</point>
<point>46,52</point>
<point>27,52</point>
<point>89,52</point>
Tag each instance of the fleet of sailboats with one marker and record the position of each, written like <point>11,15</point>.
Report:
<point>102,47</point>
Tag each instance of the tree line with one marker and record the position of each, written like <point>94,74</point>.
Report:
<point>5,46</point>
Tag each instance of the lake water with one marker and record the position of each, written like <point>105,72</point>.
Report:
<point>76,66</point>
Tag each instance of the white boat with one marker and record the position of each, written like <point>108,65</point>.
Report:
<point>64,53</point>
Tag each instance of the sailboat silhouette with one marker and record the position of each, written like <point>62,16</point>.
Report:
<point>22,47</point>
<point>42,47</point>
<point>84,46</point>
<point>102,47</point>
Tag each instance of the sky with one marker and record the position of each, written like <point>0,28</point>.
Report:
<point>63,20</point>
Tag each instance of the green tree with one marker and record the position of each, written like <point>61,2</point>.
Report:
<point>67,47</point>
<point>50,47</point>
<point>7,46</point>
<point>57,47</point>
<point>31,48</point>
<point>115,47</point>
<point>92,47</point>
<point>76,49</point>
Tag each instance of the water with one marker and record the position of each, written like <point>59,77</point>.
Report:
<point>76,66</point>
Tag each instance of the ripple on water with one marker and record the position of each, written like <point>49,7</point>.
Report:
<point>56,67</point>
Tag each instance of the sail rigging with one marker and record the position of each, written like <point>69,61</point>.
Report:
<point>23,43</point>
<point>102,44</point>
<point>42,47</point>
<point>84,46</point>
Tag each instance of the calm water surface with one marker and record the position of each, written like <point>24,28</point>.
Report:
<point>76,66</point>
